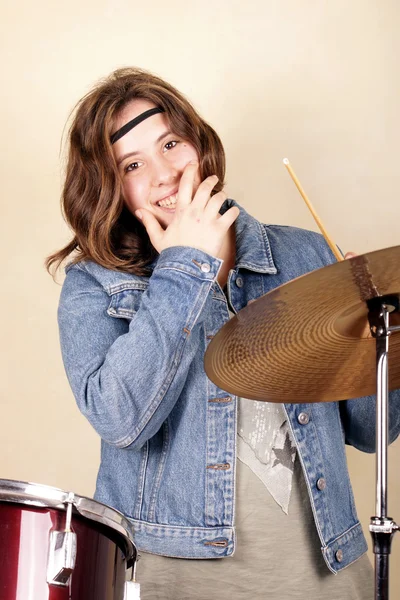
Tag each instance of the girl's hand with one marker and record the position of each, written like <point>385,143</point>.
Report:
<point>197,222</point>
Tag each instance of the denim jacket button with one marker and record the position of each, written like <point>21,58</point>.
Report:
<point>239,282</point>
<point>205,267</point>
<point>321,484</point>
<point>303,418</point>
<point>339,556</point>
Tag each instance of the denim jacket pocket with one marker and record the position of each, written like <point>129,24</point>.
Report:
<point>125,302</point>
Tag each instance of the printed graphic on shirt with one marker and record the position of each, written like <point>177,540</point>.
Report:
<point>266,447</point>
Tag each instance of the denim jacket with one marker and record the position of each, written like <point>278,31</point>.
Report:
<point>133,349</point>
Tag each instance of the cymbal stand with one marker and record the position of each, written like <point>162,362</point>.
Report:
<point>382,527</point>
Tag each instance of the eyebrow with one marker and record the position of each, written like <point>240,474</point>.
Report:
<point>130,154</point>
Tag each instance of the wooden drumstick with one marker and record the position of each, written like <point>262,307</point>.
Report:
<point>297,183</point>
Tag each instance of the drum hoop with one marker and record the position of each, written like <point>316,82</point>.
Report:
<point>45,496</point>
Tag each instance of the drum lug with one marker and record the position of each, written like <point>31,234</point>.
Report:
<point>132,587</point>
<point>62,551</point>
<point>132,590</point>
<point>62,555</point>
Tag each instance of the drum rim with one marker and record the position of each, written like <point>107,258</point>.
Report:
<point>46,496</point>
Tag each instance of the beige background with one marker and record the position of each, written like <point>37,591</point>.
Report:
<point>313,80</point>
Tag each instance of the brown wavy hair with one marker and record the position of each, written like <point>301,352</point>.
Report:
<point>92,199</point>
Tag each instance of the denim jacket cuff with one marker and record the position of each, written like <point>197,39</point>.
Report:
<point>191,261</point>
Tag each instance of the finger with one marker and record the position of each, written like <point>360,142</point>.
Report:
<point>153,227</point>
<point>350,255</point>
<point>203,193</point>
<point>229,217</point>
<point>186,184</point>
<point>214,204</point>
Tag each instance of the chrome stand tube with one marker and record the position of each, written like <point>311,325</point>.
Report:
<point>382,393</point>
<point>382,527</point>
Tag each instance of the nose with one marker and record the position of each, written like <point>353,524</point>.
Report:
<point>163,172</point>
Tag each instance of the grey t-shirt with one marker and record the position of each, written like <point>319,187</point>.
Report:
<point>278,556</point>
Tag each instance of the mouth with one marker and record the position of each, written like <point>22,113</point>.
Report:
<point>169,201</point>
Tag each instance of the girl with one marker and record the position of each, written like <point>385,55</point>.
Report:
<point>159,260</point>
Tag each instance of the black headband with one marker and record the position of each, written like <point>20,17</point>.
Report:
<point>131,124</point>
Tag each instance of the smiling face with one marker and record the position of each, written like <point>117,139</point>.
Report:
<point>151,160</point>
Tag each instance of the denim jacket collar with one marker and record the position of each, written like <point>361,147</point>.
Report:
<point>253,250</point>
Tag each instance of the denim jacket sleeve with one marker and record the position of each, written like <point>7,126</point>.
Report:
<point>358,418</point>
<point>126,377</point>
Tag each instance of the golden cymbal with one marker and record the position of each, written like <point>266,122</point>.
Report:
<point>309,340</point>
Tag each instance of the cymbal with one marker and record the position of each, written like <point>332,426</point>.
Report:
<point>309,340</point>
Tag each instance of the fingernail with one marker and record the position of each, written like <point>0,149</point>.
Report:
<point>138,214</point>
<point>193,162</point>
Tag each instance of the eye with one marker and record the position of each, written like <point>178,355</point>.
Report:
<point>170,145</point>
<point>132,167</point>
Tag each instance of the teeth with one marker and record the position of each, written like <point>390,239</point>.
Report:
<point>168,202</point>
